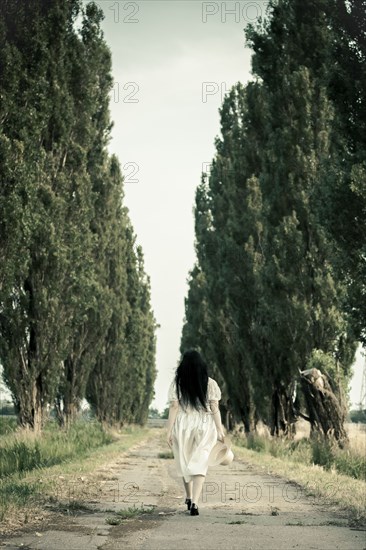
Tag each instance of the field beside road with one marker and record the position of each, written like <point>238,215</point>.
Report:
<point>33,469</point>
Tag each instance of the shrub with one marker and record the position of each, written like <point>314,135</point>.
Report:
<point>323,452</point>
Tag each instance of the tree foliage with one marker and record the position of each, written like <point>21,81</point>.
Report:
<point>272,286</point>
<point>71,281</point>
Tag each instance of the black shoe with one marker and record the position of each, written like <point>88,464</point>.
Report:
<point>188,502</point>
<point>194,509</point>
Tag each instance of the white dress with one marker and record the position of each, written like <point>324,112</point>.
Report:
<point>194,434</point>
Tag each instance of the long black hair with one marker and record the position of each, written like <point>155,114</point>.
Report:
<point>191,379</point>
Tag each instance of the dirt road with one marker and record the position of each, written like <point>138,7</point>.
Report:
<point>241,508</point>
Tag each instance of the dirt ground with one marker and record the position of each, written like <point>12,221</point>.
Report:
<point>241,508</point>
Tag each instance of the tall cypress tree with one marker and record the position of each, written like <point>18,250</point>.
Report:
<point>266,265</point>
<point>104,389</point>
<point>64,231</point>
<point>228,232</point>
<point>344,195</point>
<point>144,360</point>
<point>34,314</point>
<point>90,82</point>
<point>120,385</point>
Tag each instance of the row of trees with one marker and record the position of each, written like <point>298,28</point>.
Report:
<point>75,313</point>
<point>279,282</point>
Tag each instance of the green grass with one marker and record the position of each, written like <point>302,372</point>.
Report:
<point>345,461</point>
<point>114,520</point>
<point>168,454</point>
<point>7,424</point>
<point>239,522</point>
<point>20,492</point>
<point>133,511</point>
<point>317,451</point>
<point>34,467</point>
<point>16,499</point>
<point>21,452</point>
<point>128,513</point>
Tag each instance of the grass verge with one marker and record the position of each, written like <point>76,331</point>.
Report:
<point>50,464</point>
<point>350,461</point>
<point>326,487</point>
<point>23,451</point>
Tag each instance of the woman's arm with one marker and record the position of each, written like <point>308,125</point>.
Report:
<point>214,406</point>
<point>173,410</point>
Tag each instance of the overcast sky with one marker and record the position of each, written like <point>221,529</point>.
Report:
<point>172,63</point>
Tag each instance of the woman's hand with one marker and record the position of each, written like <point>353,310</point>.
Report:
<point>221,435</point>
<point>173,411</point>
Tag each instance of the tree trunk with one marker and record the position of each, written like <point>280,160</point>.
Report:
<point>29,407</point>
<point>70,401</point>
<point>66,413</point>
<point>326,413</point>
<point>59,411</point>
<point>283,416</point>
<point>71,413</point>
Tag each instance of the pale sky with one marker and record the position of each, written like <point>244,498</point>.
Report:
<point>172,62</point>
<point>167,61</point>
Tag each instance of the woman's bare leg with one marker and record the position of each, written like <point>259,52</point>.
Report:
<point>197,487</point>
<point>188,487</point>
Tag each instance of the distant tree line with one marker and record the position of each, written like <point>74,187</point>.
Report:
<point>358,416</point>
<point>75,313</point>
<point>279,284</point>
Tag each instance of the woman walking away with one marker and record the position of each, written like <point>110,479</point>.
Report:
<point>194,423</point>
